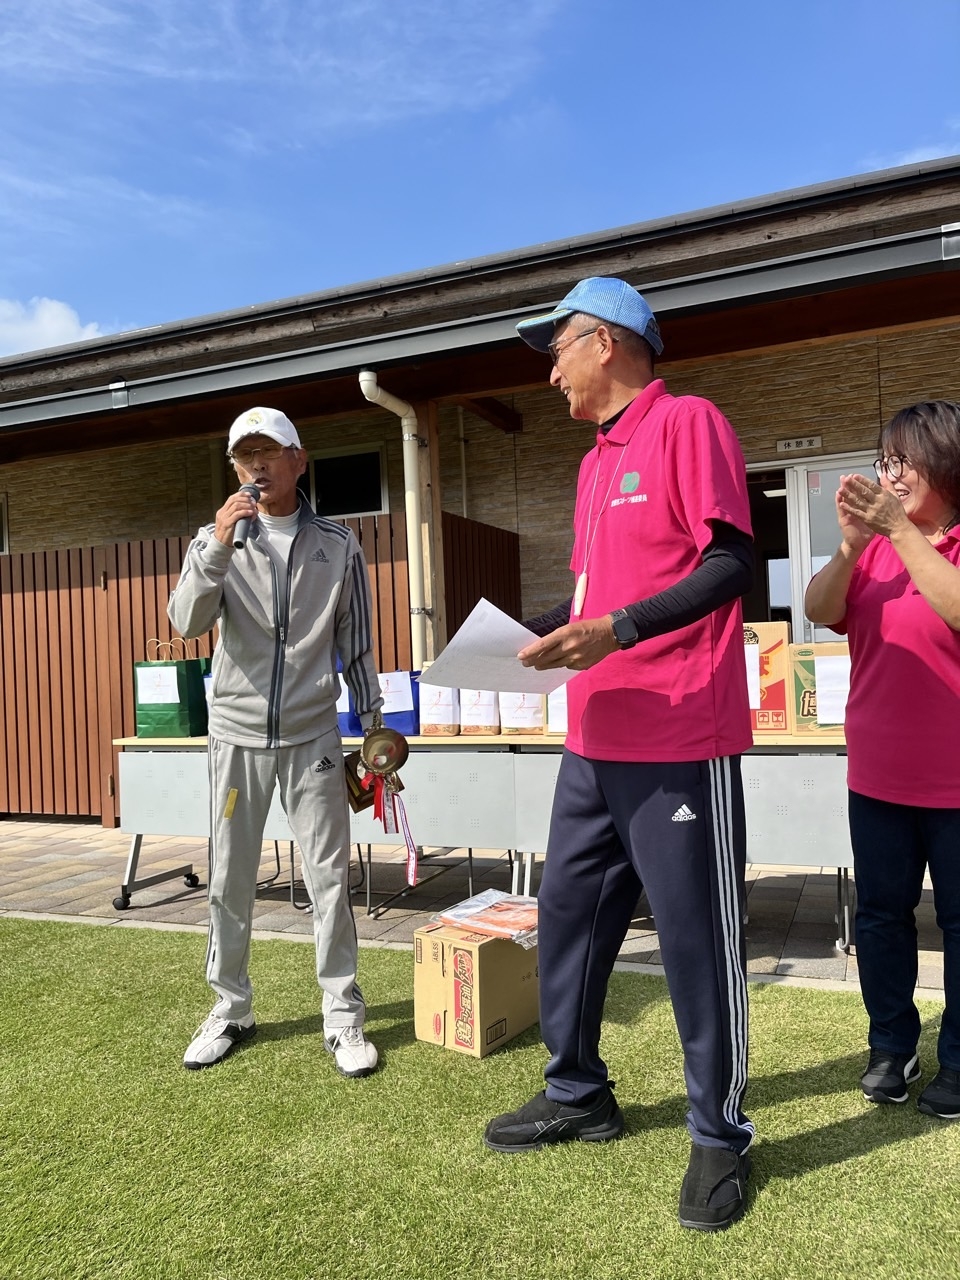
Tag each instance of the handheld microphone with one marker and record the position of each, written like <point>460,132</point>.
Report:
<point>241,530</point>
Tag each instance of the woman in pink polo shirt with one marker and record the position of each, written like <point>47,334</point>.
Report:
<point>893,588</point>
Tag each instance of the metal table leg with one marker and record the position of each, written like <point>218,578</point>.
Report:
<point>844,910</point>
<point>131,884</point>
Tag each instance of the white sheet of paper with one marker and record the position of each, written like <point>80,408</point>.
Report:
<point>753,675</point>
<point>157,684</point>
<point>832,676</point>
<point>397,695</point>
<point>483,655</point>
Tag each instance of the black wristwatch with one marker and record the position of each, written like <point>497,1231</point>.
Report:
<point>625,629</point>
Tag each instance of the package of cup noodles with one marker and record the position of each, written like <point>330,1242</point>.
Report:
<point>439,710</point>
<point>479,712</point>
<point>522,712</point>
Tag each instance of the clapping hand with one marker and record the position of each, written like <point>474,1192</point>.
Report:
<point>864,508</point>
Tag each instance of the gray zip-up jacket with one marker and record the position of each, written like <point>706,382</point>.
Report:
<point>275,681</point>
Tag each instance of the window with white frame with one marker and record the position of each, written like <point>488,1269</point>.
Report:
<point>795,533</point>
<point>347,482</point>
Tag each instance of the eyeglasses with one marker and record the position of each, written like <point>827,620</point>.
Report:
<point>893,467</point>
<point>268,453</point>
<point>556,349</point>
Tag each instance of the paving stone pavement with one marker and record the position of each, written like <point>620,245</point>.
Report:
<point>74,870</point>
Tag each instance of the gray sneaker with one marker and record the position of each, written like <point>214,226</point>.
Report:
<point>353,1053</point>
<point>215,1039</point>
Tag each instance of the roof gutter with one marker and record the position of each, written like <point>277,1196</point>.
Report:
<point>936,248</point>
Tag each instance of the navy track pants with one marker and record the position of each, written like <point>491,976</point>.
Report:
<point>677,830</point>
<point>893,845</point>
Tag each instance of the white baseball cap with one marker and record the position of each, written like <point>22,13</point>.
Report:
<point>264,422</point>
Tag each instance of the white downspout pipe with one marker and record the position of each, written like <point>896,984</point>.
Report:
<point>411,494</point>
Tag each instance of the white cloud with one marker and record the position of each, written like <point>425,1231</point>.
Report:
<point>41,323</point>
<point>947,145</point>
<point>367,61</point>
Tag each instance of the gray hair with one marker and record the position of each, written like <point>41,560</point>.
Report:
<point>634,344</point>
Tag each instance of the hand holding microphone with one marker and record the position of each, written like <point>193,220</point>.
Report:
<point>242,528</point>
<point>233,520</point>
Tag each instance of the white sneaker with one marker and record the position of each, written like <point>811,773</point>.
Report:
<point>353,1053</point>
<point>215,1039</point>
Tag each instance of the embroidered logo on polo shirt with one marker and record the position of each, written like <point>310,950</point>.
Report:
<point>324,765</point>
<point>630,482</point>
<point>319,555</point>
<point>684,814</point>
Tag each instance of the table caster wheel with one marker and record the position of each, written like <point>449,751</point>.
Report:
<point>192,880</point>
<point>121,903</point>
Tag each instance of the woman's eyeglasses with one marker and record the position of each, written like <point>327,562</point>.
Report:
<point>892,467</point>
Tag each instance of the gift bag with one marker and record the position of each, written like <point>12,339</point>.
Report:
<point>169,693</point>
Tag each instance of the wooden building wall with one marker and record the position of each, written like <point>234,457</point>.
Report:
<point>841,389</point>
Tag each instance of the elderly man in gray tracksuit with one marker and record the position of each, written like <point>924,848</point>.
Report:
<point>288,601</point>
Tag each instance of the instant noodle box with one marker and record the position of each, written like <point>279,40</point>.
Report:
<point>768,677</point>
<point>808,711</point>
<point>471,992</point>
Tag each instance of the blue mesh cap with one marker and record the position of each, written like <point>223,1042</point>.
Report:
<point>605,297</point>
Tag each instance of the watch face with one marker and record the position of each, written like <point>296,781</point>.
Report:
<point>625,629</point>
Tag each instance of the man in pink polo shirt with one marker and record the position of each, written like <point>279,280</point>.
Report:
<point>649,793</point>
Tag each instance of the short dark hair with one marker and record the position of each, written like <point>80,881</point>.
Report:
<point>928,434</point>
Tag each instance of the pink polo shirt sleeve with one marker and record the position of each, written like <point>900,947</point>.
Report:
<point>705,466</point>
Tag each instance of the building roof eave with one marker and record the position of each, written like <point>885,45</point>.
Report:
<point>715,216</point>
<point>934,249</point>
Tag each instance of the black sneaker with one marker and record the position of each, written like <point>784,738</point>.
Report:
<point>888,1074</point>
<point>541,1121</point>
<point>714,1191</point>
<point>941,1097</point>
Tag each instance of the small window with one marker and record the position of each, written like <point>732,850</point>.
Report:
<point>347,483</point>
<point>4,540</point>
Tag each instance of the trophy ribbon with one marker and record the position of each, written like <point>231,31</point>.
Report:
<point>382,753</point>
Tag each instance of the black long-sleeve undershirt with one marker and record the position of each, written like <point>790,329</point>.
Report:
<point>725,574</point>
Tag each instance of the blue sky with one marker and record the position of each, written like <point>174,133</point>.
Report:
<point>162,159</point>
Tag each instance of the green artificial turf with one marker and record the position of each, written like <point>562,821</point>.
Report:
<point>115,1162</point>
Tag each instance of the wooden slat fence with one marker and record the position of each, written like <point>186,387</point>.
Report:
<point>73,623</point>
<point>479,560</point>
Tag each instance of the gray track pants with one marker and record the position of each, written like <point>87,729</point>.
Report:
<point>313,793</point>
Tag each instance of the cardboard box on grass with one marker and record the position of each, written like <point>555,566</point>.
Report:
<point>804,659</point>
<point>766,645</point>
<point>472,993</point>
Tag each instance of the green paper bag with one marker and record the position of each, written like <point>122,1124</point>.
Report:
<point>170,698</point>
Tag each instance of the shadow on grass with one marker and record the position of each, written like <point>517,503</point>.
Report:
<point>816,1147</point>
<point>399,1014</point>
